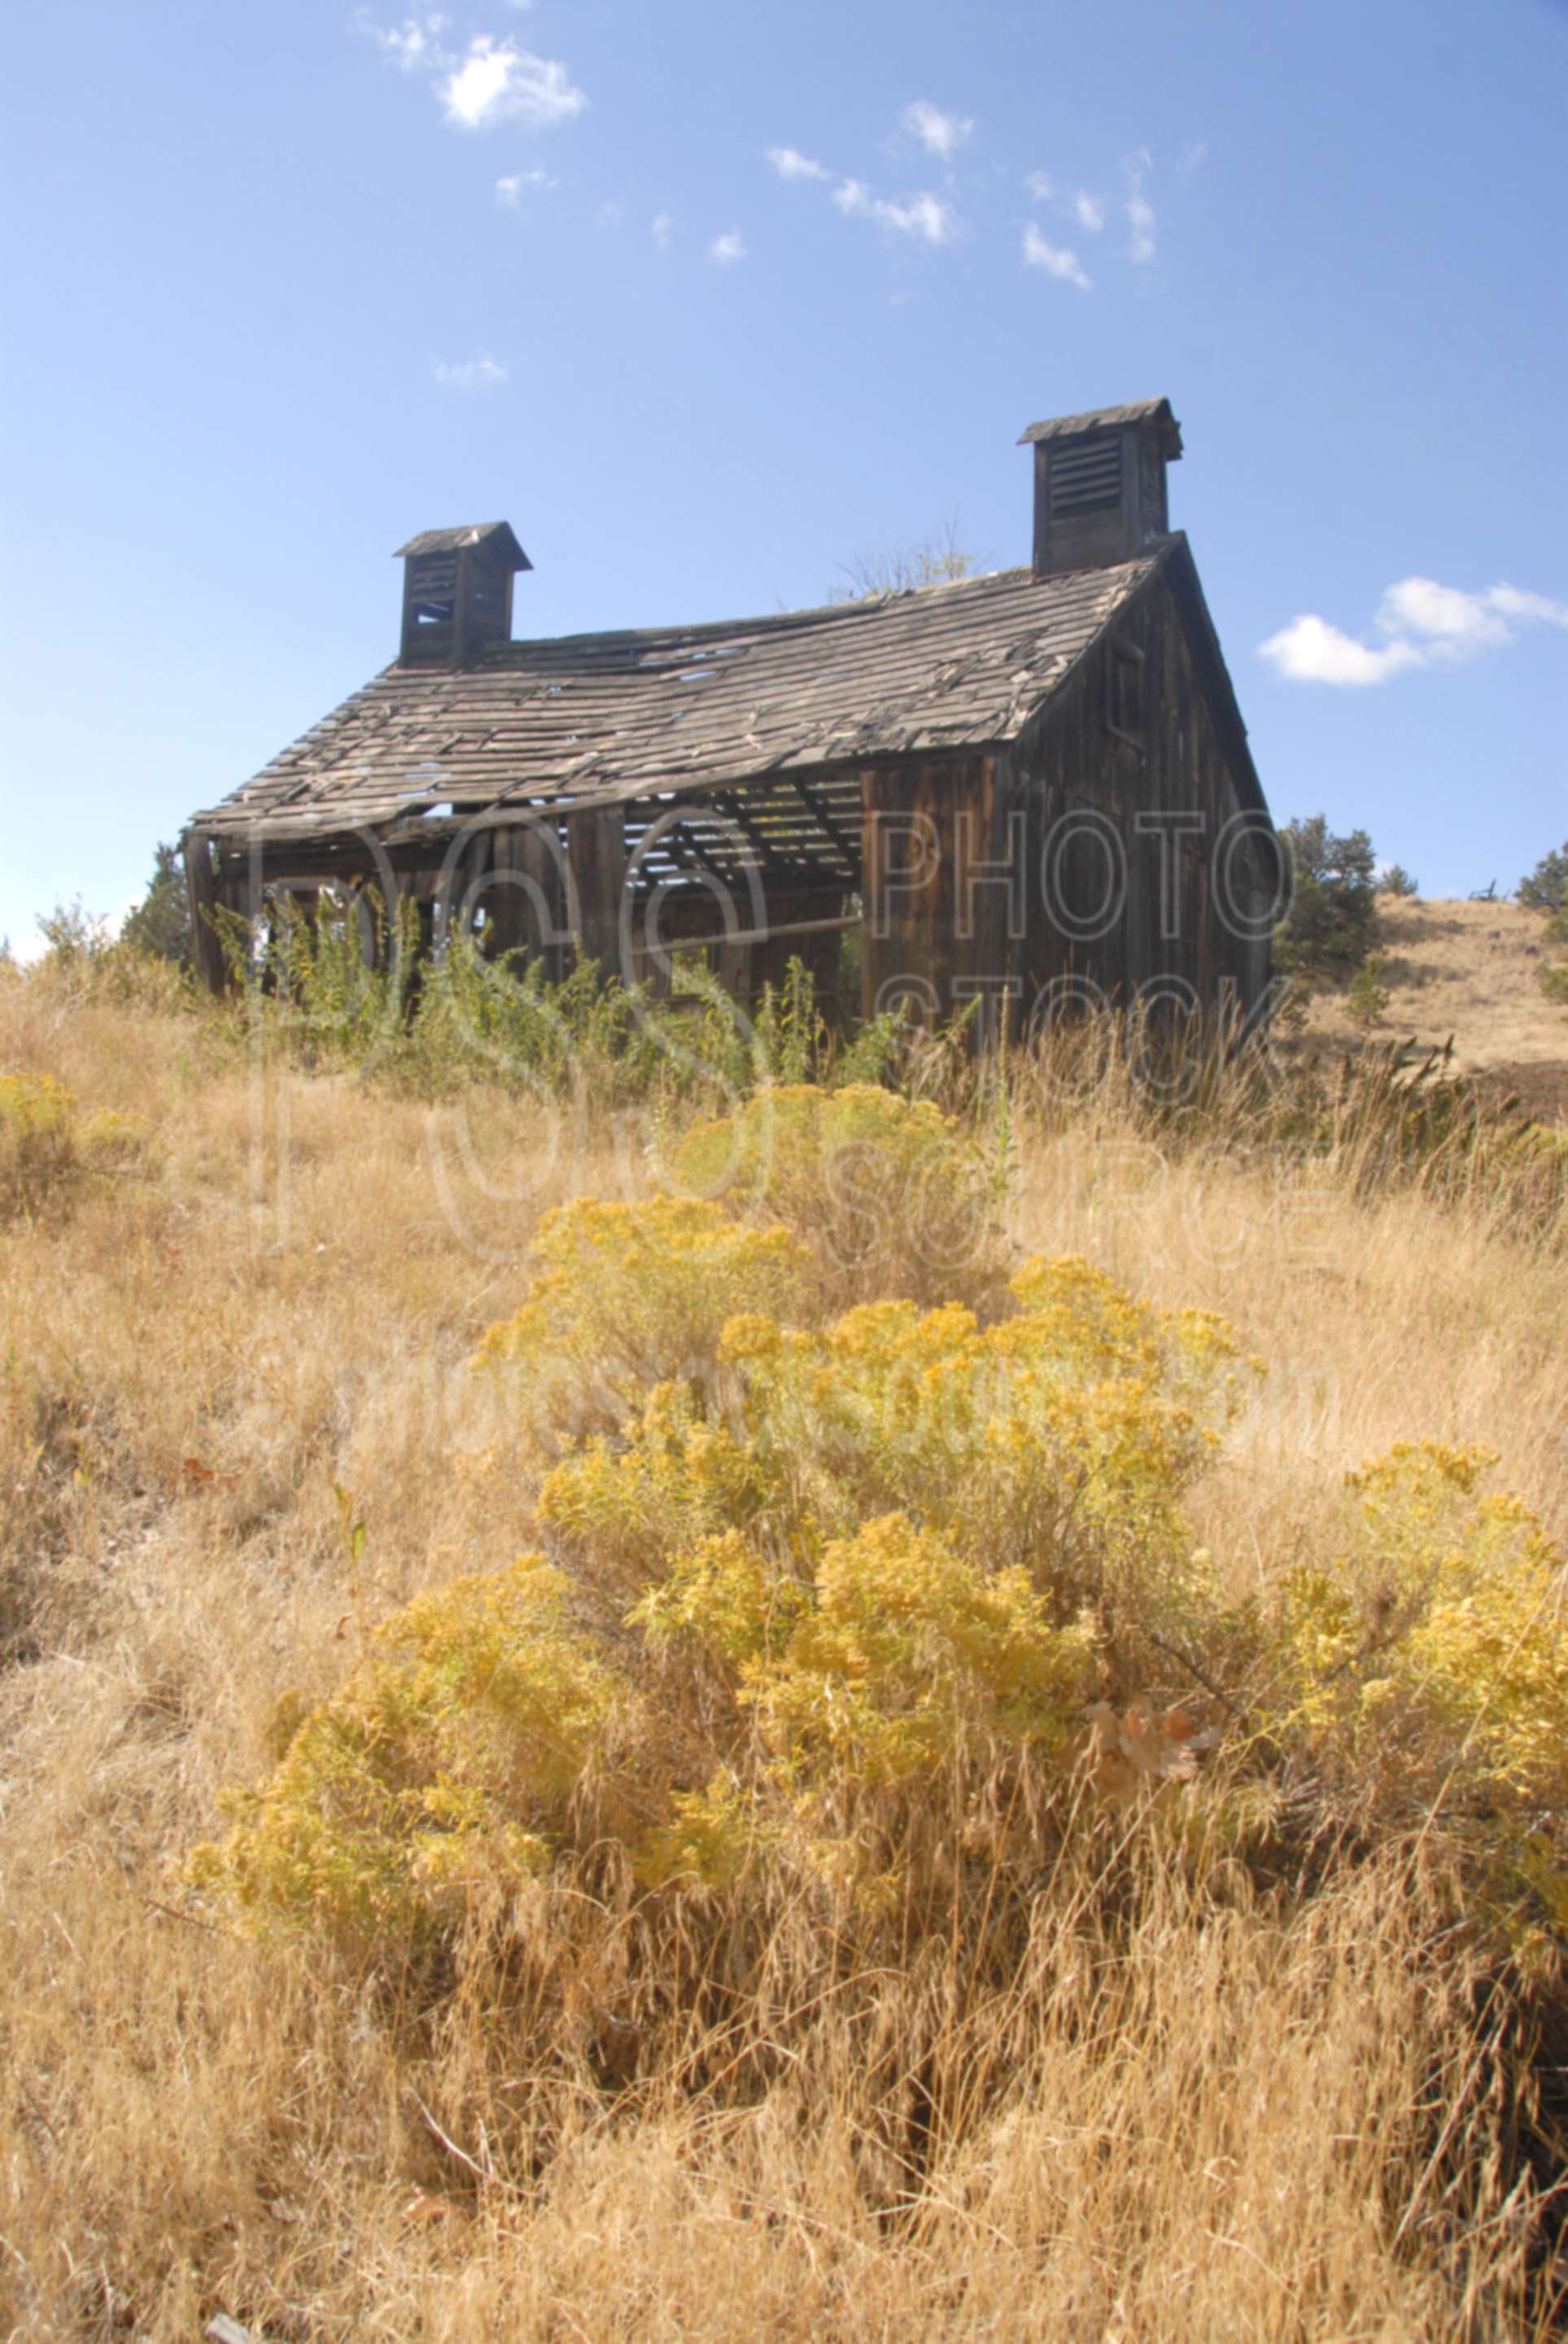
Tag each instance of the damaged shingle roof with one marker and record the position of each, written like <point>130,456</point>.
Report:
<point>1110,418</point>
<point>588,719</point>
<point>497,533</point>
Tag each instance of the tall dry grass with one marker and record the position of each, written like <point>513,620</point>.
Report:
<point>1200,2112</point>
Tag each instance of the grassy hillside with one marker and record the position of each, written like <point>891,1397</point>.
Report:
<point>1145,2062</point>
<point>1469,973</point>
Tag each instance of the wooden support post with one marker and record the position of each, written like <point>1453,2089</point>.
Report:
<point>541,891</point>
<point>201,894</point>
<point>504,922</point>
<point>596,854</point>
<point>732,961</point>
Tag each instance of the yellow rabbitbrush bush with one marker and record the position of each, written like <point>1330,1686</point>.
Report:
<point>446,1766</point>
<point>1059,1439</point>
<point>46,1143</point>
<point>1424,1664</point>
<point>621,1294</point>
<point>893,1196</point>
<point>845,1580</point>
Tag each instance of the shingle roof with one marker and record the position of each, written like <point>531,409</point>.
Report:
<point>1108,419</point>
<point>601,718</point>
<point>453,540</point>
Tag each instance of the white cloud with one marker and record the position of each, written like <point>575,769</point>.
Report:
<point>509,190</point>
<point>1309,650</point>
<point>415,44</point>
<point>471,374</point>
<point>1075,203</point>
<point>925,217</point>
<point>790,163</point>
<point>1445,614</point>
<point>1517,603</point>
<point>939,134</point>
<point>1424,624</point>
<point>727,249</point>
<point>1192,153</point>
<point>661,227</point>
<point>1139,211</point>
<point>1056,259</point>
<point>499,82</point>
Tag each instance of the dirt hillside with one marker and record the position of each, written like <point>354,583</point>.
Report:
<point>1472,972</point>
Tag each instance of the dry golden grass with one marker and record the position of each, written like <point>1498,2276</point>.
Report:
<point>1226,2117</point>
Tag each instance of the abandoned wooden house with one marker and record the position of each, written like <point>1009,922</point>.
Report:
<point>1033,785</point>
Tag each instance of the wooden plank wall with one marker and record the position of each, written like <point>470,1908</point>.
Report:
<point>930,932</point>
<point>596,871</point>
<point>1130,734</point>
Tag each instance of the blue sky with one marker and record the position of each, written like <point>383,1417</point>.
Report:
<point>707,300</point>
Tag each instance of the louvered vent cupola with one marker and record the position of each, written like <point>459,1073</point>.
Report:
<point>457,594</point>
<point>1099,484</point>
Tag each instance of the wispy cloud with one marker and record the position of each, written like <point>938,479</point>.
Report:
<point>1139,211</point>
<point>471,374</point>
<point>511,189</point>
<point>415,44</point>
<point>1192,153</point>
<point>727,249</point>
<point>790,163</point>
<point>1421,623</point>
<point>492,81</point>
<point>661,227</point>
<point>924,217</point>
<point>939,134</point>
<point>1073,203</point>
<point>500,82</point>
<point>1056,259</point>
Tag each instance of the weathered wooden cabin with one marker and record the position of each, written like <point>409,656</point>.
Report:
<point>1034,784</point>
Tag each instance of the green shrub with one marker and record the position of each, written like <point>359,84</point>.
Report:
<point>1546,889</point>
<point>1367,998</point>
<point>1331,923</point>
<point>159,925</point>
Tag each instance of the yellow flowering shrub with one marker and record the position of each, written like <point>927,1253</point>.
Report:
<point>909,1653</point>
<point>676,1477</point>
<point>893,1196</point>
<point>623,1295</point>
<point>1427,1660</point>
<point>880,1605</point>
<point>45,1142</point>
<point>446,1765</point>
<point>1060,1439</point>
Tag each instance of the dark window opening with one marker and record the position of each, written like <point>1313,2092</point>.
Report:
<point>1124,692</point>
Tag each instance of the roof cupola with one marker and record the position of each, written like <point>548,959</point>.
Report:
<point>1100,485</point>
<point>457,594</point>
